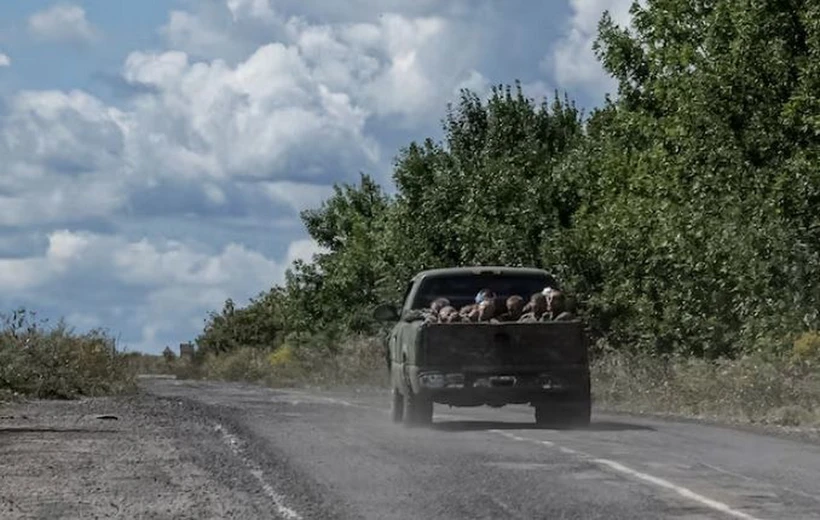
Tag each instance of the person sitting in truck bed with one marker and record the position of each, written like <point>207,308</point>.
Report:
<point>487,310</point>
<point>449,314</point>
<point>513,309</point>
<point>471,312</point>
<point>432,315</point>
<point>535,309</point>
<point>557,308</point>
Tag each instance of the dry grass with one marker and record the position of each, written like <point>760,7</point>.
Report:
<point>753,389</point>
<point>56,363</point>
<point>357,361</point>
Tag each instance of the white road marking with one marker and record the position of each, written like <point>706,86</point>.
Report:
<point>612,465</point>
<point>684,492</point>
<point>617,466</point>
<point>278,500</point>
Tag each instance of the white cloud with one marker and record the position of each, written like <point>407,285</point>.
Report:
<point>64,157</point>
<point>70,131</point>
<point>63,22</point>
<point>144,263</point>
<point>392,64</point>
<point>263,118</point>
<point>254,9</point>
<point>297,195</point>
<point>185,31</point>
<point>247,116</point>
<point>303,250</point>
<point>572,60</point>
<point>164,284</point>
<point>5,61</point>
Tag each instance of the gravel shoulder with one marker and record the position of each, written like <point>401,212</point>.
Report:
<point>123,457</point>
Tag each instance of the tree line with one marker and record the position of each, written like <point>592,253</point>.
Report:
<point>682,214</point>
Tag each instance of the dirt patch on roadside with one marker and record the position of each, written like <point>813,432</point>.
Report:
<point>124,457</point>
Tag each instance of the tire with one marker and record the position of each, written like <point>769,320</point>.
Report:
<point>397,407</point>
<point>418,411</point>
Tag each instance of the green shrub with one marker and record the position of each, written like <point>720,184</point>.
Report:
<point>55,362</point>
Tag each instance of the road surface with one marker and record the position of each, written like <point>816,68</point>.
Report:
<point>263,453</point>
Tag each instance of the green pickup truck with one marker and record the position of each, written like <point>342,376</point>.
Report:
<point>544,364</point>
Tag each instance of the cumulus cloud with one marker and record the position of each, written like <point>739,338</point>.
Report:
<point>5,61</point>
<point>573,61</point>
<point>303,250</point>
<point>402,63</point>
<point>264,118</point>
<point>245,117</point>
<point>162,281</point>
<point>63,22</point>
<point>64,158</point>
<point>69,132</point>
<point>297,195</point>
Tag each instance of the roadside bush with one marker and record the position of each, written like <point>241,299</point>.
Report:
<point>55,362</point>
<point>242,364</point>
<point>304,361</point>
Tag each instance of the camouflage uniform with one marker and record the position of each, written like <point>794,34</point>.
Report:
<point>416,315</point>
<point>468,312</point>
<point>431,315</point>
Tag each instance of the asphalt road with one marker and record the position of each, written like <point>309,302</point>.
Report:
<point>337,455</point>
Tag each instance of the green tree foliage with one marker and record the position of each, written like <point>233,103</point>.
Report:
<point>260,325</point>
<point>489,194</point>
<point>684,213</point>
<point>703,202</point>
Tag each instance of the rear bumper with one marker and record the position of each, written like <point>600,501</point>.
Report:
<point>497,388</point>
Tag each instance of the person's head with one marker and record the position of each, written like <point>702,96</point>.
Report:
<point>438,304</point>
<point>515,306</point>
<point>486,310</point>
<point>447,312</point>
<point>538,304</point>
<point>484,294</point>
<point>556,303</point>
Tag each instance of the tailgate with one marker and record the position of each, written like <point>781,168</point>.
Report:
<point>543,344</point>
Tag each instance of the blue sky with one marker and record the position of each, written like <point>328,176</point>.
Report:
<point>155,155</point>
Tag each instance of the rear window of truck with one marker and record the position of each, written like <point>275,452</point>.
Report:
<point>461,290</point>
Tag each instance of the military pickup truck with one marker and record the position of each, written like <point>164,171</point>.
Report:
<point>544,364</point>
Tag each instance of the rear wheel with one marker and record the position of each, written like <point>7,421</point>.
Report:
<point>418,411</point>
<point>397,407</point>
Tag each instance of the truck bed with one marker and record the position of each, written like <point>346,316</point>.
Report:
<point>504,346</point>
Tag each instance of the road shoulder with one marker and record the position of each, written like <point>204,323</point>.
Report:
<point>128,457</point>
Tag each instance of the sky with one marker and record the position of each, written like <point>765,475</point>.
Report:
<point>155,156</point>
